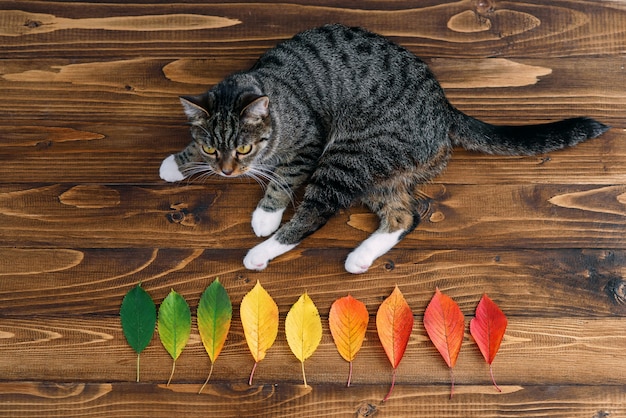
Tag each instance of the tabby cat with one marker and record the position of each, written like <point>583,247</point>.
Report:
<point>355,117</point>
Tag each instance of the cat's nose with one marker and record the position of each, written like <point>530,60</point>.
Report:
<point>227,171</point>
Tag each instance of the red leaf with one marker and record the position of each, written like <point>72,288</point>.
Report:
<point>445,325</point>
<point>487,328</point>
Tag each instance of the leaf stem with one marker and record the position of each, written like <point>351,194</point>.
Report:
<point>304,375</point>
<point>172,373</point>
<point>252,373</point>
<point>393,383</point>
<point>137,367</point>
<point>207,379</point>
<point>349,375</point>
<point>493,379</point>
<point>452,385</point>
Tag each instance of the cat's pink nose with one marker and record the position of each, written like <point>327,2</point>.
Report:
<point>227,171</point>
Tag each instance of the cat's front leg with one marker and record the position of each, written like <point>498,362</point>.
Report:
<point>264,222</point>
<point>309,217</point>
<point>268,215</point>
<point>259,256</point>
<point>169,170</point>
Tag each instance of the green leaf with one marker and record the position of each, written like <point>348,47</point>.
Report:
<point>174,326</point>
<point>214,315</point>
<point>138,318</point>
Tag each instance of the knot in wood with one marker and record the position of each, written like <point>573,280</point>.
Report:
<point>484,7</point>
<point>180,214</point>
<point>616,289</point>
<point>32,24</point>
<point>366,410</point>
<point>390,265</point>
<point>437,217</point>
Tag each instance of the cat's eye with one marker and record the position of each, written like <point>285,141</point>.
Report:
<point>243,149</point>
<point>209,150</point>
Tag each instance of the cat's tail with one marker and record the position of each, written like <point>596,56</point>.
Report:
<point>475,135</point>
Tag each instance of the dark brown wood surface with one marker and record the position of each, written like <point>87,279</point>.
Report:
<point>90,107</point>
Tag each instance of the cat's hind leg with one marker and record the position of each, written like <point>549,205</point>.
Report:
<point>398,212</point>
<point>397,208</point>
<point>377,244</point>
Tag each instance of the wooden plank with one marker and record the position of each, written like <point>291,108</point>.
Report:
<point>125,154</point>
<point>536,283</point>
<point>45,29</point>
<point>216,215</point>
<point>65,135</point>
<point>535,351</point>
<point>133,400</point>
<point>144,90</point>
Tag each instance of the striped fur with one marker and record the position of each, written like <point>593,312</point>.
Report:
<point>356,117</point>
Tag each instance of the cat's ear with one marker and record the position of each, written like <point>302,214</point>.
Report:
<point>195,106</point>
<point>257,110</point>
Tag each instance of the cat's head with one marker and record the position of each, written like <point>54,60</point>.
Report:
<point>230,136</point>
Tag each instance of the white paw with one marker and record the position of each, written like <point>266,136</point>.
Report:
<point>169,170</point>
<point>265,223</point>
<point>258,257</point>
<point>360,260</point>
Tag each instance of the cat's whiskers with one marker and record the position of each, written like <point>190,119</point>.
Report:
<point>267,173</point>
<point>256,178</point>
<point>198,171</point>
<point>195,171</point>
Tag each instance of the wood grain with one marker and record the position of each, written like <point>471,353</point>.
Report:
<point>539,283</point>
<point>63,136</point>
<point>38,23</point>
<point>565,28</point>
<point>94,153</point>
<point>571,350</point>
<point>90,108</point>
<point>149,87</point>
<point>217,215</point>
<point>287,400</point>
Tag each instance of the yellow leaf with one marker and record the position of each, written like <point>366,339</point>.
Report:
<point>303,329</point>
<point>259,317</point>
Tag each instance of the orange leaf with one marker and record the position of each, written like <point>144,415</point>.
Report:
<point>348,320</point>
<point>488,329</point>
<point>394,323</point>
<point>445,325</point>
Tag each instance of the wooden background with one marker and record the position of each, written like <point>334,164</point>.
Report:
<point>89,109</point>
